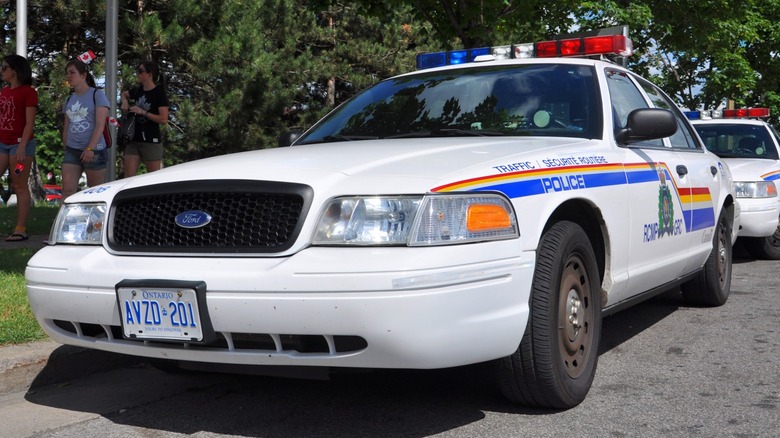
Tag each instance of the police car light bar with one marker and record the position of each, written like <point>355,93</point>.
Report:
<point>586,46</point>
<point>741,113</point>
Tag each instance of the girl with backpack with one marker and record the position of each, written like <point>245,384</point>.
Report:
<point>85,118</point>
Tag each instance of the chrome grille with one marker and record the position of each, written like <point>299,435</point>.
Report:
<point>246,216</point>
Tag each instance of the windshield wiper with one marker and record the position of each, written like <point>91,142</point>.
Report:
<point>339,137</point>
<point>448,132</point>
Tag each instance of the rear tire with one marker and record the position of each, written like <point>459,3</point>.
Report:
<point>555,363</point>
<point>712,286</point>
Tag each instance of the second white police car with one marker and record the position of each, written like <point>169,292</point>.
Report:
<point>751,148</point>
<point>487,211</point>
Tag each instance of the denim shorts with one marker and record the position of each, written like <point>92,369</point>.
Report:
<point>10,149</point>
<point>99,159</point>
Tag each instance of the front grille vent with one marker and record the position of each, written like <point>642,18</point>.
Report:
<point>246,216</point>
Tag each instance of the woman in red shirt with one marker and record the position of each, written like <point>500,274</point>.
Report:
<point>18,106</point>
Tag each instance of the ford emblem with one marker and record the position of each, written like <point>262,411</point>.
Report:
<point>193,219</point>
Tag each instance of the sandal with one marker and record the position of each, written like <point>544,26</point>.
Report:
<point>17,237</point>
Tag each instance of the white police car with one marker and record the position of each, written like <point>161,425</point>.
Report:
<point>484,211</point>
<point>750,147</point>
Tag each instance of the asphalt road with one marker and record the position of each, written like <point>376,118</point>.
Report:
<point>665,370</point>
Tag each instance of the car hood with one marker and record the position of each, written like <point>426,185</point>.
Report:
<point>753,169</point>
<point>362,167</point>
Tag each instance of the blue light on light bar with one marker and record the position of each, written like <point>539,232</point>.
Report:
<point>692,115</point>
<point>454,57</point>
<point>430,60</point>
<point>458,57</point>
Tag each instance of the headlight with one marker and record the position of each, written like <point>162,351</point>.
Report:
<point>79,223</point>
<point>415,220</point>
<point>755,189</point>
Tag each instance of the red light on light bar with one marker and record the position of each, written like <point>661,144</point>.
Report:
<point>617,44</point>
<point>546,49</point>
<point>735,113</point>
<point>596,45</point>
<point>758,112</point>
<point>571,47</point>
<point>746,112</point>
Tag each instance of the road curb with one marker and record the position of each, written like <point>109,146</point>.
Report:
<point>27,366</point>
<point>21,363</point>
<point>47,362</point>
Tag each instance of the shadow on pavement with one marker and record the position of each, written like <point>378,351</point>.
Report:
<point>68,363</point>
<point>128,391</point>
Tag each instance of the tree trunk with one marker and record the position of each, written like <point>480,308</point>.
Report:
<point>35,184</point>
<point>332,92</point>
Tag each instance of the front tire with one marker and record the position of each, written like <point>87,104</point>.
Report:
<point>555,363</point>
<point>712,286</point>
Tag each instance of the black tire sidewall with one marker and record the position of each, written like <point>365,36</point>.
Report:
<point>562,240</point>
<point>720,293</point>
<point>706,288</point>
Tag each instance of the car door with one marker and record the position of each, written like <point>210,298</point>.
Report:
<point>705,174</point>
<point>659,185</point>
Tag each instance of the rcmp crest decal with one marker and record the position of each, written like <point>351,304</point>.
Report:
<point>665,207</point>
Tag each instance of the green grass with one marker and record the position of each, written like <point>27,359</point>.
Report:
<point>38,222</point>
<point>17,323</point>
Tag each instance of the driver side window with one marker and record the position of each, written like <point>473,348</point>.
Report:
<point>626,97</point>
<point>682,139</point>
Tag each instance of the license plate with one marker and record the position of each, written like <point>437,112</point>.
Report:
<point>160,313</point>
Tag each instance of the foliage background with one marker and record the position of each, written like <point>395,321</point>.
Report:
<point>239,73</point>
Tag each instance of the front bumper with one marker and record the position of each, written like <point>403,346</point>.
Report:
<point>759,217</point>
<point>412,307</point>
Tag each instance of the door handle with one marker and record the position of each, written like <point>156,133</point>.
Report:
<point>682,170</point>
<point>713,170</point>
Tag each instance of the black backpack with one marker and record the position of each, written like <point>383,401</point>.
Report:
<point>126,128</point>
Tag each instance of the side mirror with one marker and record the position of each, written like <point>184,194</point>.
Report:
<point>647,124</point>
<point>289,137</point>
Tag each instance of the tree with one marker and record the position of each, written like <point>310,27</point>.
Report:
<point>764,57</point>
<point>696,51</point>
<point>481,23</point>
<point>240,73</point>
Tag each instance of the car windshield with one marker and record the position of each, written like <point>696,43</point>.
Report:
<point>734,140</point>
<point>540,100</point>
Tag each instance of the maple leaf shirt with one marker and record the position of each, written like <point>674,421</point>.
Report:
<point>80,111</point>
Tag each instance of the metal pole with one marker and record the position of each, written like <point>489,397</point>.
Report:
<point>21,27</point>
<point>112,25</point>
